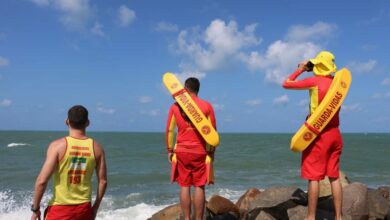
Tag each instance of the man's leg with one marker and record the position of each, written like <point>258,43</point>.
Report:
<point>337,193</point>
<point>199,200</point>
<point>185,202</point>
<point>313,192</point>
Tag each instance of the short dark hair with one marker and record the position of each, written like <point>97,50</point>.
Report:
<point>78,117</point>
<point>192,84</point>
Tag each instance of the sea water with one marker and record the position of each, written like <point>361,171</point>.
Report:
<point>138,169</point>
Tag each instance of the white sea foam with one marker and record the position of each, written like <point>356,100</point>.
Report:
<point>17,144</point>
<point>140,211</point>
<point>17,207</point>
<point>232,195</point>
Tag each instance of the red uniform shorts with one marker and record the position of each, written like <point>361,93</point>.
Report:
<point>191,169</point>
<point>69,212</point>
<point>322,157</point>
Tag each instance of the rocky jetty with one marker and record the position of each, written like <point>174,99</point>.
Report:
<point>286,202</point>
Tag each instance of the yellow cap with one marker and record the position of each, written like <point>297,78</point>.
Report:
<point>324,63</point>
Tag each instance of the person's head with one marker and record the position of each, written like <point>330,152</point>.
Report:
<point>78,117</point>
<point>324,64</point>
<point>192,84</point>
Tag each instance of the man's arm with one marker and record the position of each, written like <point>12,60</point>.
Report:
<point>101,173</point>
<point>212,117</point>
<point>211,149</point>
<point>170,133</point>
<point>44,176</point>
<point>292,83</point>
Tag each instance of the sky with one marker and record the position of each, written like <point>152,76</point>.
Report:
<point>110,57</point>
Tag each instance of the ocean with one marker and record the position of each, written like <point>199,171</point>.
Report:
<point>138,170</point>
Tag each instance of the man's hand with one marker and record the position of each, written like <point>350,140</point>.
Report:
<point>36,215</point>
<point>94,211</point>
<point>303,65</point>
<point>170,155</point>
<point>211,151</point>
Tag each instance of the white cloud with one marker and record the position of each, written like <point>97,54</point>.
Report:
<point>282,56</point>
<point>5,103</point>
<point>381,119</point>
<point>386,82</point>
<point>253,102</point>
<point>126,16</point>
<point>105,110</point>
<point>282,100</point>
<point>218,107</point>
<point>351,108</point>
<point>303,103</point>
<point>362,67</point>
<point>222,44</point>
<point>380,95</point>
<point>214,47</point>
<point>4,61</point>
<point>145,99</point>
<point>369,47</point>
<point>166,27</point>
<point>75,15</point>
<point>41,3</point>
<point>184,75</point>
<point>311,32</point>
<point>153,112</point>
<point>97,29</point>
<point>376,96</point>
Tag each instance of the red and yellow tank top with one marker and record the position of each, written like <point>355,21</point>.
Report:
<point>73,175</point>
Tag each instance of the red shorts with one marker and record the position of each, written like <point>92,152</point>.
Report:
<point>322,157</point>
<point>69,212</point>
<point>191,169</point>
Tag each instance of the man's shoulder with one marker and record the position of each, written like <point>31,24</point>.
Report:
<point>98,148</point>
<point>174,107</point>
<point>59,142</point>
<point>57,147</point>
<point>205,102</point>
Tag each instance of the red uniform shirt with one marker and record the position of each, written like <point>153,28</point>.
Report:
<point>188,138</point>
<point>318,86</point>
<point>322,157</point>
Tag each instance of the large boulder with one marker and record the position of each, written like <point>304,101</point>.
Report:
<point>300,212</point>
<point>325,188</point>
<point>264,216</point>
<point>377,205</point>
<point>249,196</point>
<point>172,212</point>
<point>385,192</point>
<point>276,200</point>
<point>219,205</point>
<point>225,216</point>
<point>355,201</point>
<point>275,196</point>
